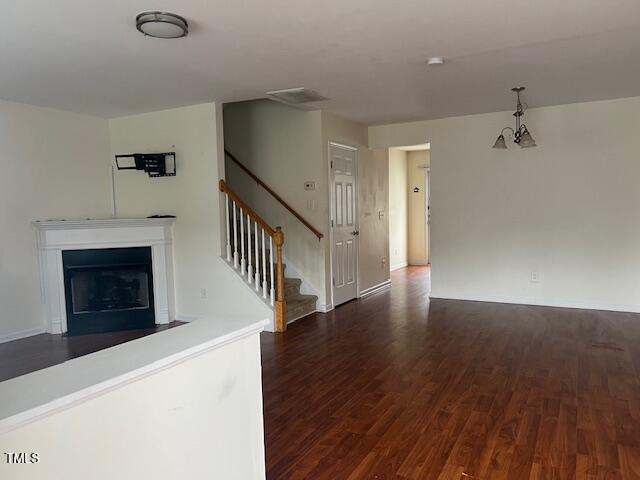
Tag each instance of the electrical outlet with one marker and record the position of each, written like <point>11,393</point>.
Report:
<point>204,293</point>
<point>535,277</point>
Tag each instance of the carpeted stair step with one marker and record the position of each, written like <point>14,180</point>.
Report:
<point>291,287</point>
<point>300,306</point>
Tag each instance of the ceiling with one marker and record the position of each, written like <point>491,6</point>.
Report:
<point>366,56</point>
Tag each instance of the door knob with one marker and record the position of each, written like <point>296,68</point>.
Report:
<point>355,232</point>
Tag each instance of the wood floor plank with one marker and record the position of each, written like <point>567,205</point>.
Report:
<point>395,386</point>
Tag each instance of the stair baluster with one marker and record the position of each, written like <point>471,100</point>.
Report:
<point>264,268</point>
<point>235,236</point>
<point>226,196</point>
<point>249,267</point>
<point>243,261</point>
<point>272,293</point>
<point>257,261</point>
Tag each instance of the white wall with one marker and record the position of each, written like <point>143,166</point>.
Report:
<point>199,419</point>
<point>567,209</point>
<point>373,197</point>
<point>398,196</point>
<point>282,146</point>
<point>53,164</point>
<point>285,147</point>
<point>417,210</point>
<point>195,134</point>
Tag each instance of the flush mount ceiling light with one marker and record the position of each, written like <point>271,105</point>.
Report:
<point>521,134</point>
<point>162,25</point>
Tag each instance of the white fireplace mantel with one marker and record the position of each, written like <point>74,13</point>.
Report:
<point>55,236</point>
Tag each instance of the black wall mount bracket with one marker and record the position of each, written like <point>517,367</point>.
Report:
<point>154,164</point>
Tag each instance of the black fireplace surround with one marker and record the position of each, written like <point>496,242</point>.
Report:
<point>108,289</point>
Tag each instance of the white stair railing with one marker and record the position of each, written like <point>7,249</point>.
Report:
<point>239,250</point>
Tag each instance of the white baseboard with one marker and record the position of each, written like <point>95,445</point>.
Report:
<point>324,308</point>
<point>21,334</point>
<point>418,264</point>
<point>539,303</point>
<point>376,288</point>
<point>290,321</point>
<point>183,317</point>
<point>399,266</point>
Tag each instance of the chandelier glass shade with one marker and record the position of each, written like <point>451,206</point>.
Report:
<point>521,134</point>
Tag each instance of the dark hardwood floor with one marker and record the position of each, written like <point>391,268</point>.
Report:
<point>393,386</point>
<point>26,355</point>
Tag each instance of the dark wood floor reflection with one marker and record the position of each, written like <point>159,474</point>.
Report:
<point>26,355</point>
<point>394,387</point>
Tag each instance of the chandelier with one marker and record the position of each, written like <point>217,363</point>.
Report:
<point>521,134</point>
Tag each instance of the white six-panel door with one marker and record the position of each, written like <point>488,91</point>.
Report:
<point>344,247</point>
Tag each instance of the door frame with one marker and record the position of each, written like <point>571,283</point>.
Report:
<point>427,173</point>
<point>356,222</point>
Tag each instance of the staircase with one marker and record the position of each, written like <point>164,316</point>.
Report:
<point>255,250</point>
<point>297,305</point>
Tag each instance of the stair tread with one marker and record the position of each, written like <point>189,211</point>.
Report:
<point>300,298</point>
<point>300,305</point>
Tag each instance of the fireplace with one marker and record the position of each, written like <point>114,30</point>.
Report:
<point>108,289</point>
<point>105,274</point>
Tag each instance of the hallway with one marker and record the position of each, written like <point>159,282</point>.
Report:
<point>395,386</point>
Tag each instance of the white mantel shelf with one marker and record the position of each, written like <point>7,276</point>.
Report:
<point>101,223</point>
<point>56,236</point>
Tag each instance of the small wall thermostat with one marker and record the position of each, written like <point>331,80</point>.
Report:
<point>309,185</point>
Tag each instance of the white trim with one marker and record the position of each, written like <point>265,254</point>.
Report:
<point>290,321</point>
<point>9,337</point>
<point>398,266</point>
<point>55,236</point>
<point>418,264</point>
<point>342,145</point>
<point>607,307</point>
<point>324,308</point>
<point>375,289</point>
<point>331,210</point>
<point>184,317</point>
<point>101,223</point>
<point>427,223</point>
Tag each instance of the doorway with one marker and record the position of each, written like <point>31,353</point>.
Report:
<point>409,206</point>
<point>344,233</point>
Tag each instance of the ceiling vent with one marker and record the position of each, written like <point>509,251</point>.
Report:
<point>296,96</point>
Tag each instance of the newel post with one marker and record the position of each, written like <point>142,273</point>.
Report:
<point>280,304</point>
